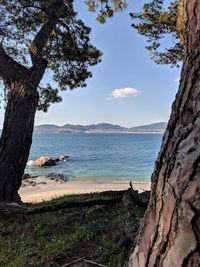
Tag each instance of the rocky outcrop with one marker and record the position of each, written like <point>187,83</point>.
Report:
<point>27,176</point>
<point>48,161</point>
<point>62,158</point>
<point>44,161</point>
<point>33,180</point>
<point>58,177</point>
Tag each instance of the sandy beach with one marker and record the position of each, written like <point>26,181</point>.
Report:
<point>46,189</point>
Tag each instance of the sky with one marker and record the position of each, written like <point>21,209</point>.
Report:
<point>127,88</point>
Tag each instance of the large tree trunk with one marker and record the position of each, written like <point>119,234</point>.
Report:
<point>170,235</point>
<point>22,103</point>
<point>16,138</point>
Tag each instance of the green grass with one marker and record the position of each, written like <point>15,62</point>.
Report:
<point>55,238</point>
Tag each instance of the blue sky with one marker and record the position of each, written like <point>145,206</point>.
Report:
<point>125,64</point>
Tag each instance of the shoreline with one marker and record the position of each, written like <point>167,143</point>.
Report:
<point>43,188</point>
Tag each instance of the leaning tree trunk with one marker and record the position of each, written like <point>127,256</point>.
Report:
<point>170,235</point>
<point>16,138</point>
<point>22,103</point>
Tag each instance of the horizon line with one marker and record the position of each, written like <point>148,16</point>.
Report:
<point>100,123</point>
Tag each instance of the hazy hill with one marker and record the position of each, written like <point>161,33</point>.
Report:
<point>154,127</point>
<point>101,128</point>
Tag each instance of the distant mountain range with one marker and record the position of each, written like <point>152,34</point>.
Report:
<point>158,127</point>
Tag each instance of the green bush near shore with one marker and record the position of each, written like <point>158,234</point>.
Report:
<point>55,238</point>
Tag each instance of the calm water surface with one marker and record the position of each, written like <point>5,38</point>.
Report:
<point>98,156</point>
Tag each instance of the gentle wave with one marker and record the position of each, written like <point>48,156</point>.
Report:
<point>29,163</point>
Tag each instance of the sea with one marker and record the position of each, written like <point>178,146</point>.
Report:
<point>97,156</point>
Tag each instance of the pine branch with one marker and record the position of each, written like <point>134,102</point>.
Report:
<point>39,42</point>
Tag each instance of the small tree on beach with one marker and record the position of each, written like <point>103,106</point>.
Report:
<point>36,36</point>
<point>169,235</point>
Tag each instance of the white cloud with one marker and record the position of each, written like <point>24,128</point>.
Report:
<point>124,92</point>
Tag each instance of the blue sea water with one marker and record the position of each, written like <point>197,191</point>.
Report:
<point>98,156</point>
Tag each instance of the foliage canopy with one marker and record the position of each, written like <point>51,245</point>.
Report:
<point>105,8</point>
<point>52,30</point>
<point>158,23</point>
<point>67,48</point>
<point>155,21</point>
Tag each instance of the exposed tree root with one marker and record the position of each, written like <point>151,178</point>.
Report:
<point>131,201</point>
<point>116,197</point>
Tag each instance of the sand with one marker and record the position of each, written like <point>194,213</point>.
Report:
<point>46,189</point>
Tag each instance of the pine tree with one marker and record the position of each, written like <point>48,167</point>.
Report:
<point>36,36</point>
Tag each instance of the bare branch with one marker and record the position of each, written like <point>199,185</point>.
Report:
<point>139,199</point>
<point>13,208</point>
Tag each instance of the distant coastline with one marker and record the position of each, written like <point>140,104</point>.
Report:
<point>154,128</point>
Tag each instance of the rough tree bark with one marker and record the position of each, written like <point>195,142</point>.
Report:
<point>170,235</point>
<point>16,138</point>
<point>21,107</point>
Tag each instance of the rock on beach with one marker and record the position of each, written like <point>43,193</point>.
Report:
<point>48,161</point>
<point>43,161</point>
